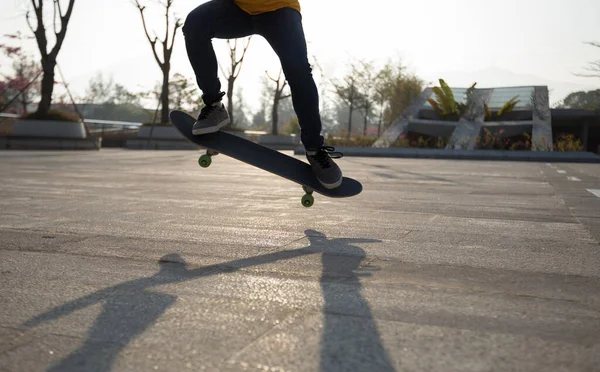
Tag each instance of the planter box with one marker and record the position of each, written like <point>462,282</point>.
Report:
<point>49,129</point>
<point>48,143</point>
<point>164,138</point>
<point>160,133</point>
<point>499,155</point>
<point>161,144</point>
<point>279,142</point>
<point>168,133</point>
<point>49,135</point>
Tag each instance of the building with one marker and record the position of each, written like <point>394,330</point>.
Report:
<point>530,118</point>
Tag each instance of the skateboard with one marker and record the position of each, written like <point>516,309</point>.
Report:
<point>262,157</point>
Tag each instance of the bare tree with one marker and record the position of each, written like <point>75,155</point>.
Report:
<point>366,82</point>
<point>348,92</point>
<point>184,94</point>
<point>48,58</point>
<point>594,67</point>
<point>234,71</point>
<point>382,93</point>
<point>167,50</point>
<point>278,96</point>
<point>99,89</point>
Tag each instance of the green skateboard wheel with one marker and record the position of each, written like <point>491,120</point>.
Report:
<point>308,200</point>
<point>204,161</point>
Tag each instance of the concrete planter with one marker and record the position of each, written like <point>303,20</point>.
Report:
<point>164,138</point>
<point>501,155</point>
<point>49,135</point>
<point>279,142</point>
<point>49,129</point>
<point>160,133</point>
<point>48,143</point>
<point>168,133</point>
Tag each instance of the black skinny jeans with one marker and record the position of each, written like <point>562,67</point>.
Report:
<point>283,30</point>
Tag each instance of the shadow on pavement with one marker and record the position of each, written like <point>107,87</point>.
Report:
<point>349,342</point>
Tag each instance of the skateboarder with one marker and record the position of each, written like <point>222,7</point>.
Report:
<point>280,23</point>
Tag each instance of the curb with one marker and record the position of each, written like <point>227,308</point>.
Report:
<point>499,155</point>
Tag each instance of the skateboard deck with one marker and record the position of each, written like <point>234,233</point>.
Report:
<point>262,157</point>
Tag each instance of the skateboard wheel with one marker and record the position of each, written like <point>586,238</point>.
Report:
<point>308,200</point>
<point>204,161</point>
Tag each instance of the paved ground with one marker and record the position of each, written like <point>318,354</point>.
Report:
<point>141,261</point>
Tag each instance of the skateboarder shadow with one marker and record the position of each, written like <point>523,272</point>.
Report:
<point>129,308</point>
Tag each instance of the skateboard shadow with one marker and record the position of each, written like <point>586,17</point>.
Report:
<point>349,342</point>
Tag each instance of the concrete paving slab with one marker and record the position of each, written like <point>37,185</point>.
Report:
<point>139,260</point>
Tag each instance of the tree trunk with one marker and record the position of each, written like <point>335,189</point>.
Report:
<point>380,119</point>
<point>365,124</point>
<point>350,119</point>
<point>230,83</point>
<point>47,88</point>
<point>165,95</point>
<point>275,113</point>
<point>351,110</point>
<point>24,102</point>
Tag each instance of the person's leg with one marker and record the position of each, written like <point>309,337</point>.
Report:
<point>283,30</point>
<point>215,19</point>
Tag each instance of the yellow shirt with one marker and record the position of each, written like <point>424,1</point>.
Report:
<point>263,6</point>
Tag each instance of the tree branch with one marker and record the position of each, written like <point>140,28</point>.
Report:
<point>64,21</point>
<point>40,31</point>
<point>29,22</point>
<point>56,3</point>
<point>152,42</point>
<point>178,24</point>
<point>235,73</point>
<point>167,7</point>
<point>222,70</point>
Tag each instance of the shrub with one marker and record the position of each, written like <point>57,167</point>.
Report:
<point>568,142</point>
<point>359,141</point>
<point>421,142</point>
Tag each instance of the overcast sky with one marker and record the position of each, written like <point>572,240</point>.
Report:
<point>496,43</point>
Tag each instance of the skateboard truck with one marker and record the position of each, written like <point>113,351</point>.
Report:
<point>308,200</point>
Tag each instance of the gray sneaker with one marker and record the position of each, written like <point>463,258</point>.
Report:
<point>212,118</point>
<point>327,172</point>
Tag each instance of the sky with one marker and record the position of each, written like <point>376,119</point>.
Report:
<point>493,43</point>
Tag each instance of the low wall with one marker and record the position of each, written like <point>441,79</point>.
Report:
<point>48,135</point>
<point>279,142</point>
<point>164,138</point>
<point>48,143</point>
<point>48,129</point>
<point>534,156</point>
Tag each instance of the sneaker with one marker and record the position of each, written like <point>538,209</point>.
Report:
<point>212,118</point>
<point>327,172</point>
